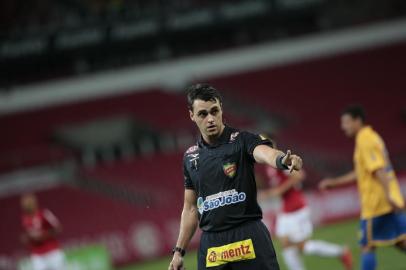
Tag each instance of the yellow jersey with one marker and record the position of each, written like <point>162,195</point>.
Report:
<point>370,155</point>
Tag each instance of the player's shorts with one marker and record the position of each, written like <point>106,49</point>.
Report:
<point>248,246</point>
<point>296,226</point>
<point>53,260</point>
<point>383,230</point>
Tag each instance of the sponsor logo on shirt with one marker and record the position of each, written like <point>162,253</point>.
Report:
<point>193,158</point>
<point>230,169</point>
<point>219,200</point>
<point>237,251</point>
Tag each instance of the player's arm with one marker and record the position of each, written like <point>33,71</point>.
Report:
<point>294,179</point>
<point>265,154</point>
<point>342,180</point>
<point>385,179</point>
<point>188,225</point>
<point>375,161</point>
<point>55,227</point>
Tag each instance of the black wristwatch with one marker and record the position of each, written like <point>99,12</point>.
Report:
<point>279,163</point>
<point>180,250</point>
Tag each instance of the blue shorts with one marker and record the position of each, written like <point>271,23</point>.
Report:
<point>383,230</point>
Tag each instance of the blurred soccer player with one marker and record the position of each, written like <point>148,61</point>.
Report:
<point>382,220</point>
<point>221,193</point>
<point>40,228</point>
<point>294,227</point>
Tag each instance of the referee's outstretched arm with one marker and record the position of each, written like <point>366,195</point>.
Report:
<point>277,159</point>
<point>188,225</point>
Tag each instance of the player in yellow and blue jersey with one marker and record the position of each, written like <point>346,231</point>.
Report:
<point>383,221</point>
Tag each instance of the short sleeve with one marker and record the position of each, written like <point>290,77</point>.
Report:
<point>251,141</point>
<point>187,180</point>
<point>373,155</point>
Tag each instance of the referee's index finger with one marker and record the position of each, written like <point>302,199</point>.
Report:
<point>292,167</point>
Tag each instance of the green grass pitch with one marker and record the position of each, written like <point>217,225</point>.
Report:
<point>344,233</point>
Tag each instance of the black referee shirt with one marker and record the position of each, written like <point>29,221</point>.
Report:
<point>222,176</point>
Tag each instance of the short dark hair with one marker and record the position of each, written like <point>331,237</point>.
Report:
<point>202,91</point>
<point>355,111</point>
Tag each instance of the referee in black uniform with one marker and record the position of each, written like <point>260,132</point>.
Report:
<point>221,193</point>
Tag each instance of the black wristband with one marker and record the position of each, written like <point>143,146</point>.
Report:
<point>279,163</point>
<point>180,250</point>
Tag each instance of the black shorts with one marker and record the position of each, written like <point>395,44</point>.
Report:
<point>248,246</point>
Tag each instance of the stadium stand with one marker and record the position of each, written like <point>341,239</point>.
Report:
<point>42,125</point>
<point>153,175</point>
<point>42,40</point>
<point>161,115</point>
<point>325,87</point>
<point>89,217</point>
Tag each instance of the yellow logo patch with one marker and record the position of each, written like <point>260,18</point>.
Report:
<point>263,137</point>
<point>237,251</point>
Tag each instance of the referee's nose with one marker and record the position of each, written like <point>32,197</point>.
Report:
<point>210,119</point>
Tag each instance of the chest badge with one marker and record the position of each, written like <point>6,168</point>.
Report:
<point>230,169</point>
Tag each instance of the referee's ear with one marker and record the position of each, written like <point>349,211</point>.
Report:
<point>191,114</point>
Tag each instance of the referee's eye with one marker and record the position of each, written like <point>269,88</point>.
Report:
<point>202,114</point>
<point>214,111</point>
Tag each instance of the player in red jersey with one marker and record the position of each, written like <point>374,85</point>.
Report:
<point>293,225</point>
<point>40,228</point>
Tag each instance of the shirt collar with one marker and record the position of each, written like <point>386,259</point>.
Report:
<point>364,129</point>
<point>224,138</point>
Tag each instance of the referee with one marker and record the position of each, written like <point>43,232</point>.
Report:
<point>220,190</point>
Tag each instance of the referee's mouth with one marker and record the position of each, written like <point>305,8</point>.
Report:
<point>212,128</point>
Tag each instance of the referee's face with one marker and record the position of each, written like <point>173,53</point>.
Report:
<point>208,116</point>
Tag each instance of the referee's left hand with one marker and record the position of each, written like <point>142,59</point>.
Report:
<point>177,262</point>
<point>293,162</point>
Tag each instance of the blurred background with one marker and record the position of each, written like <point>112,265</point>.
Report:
<point>93,115</point>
